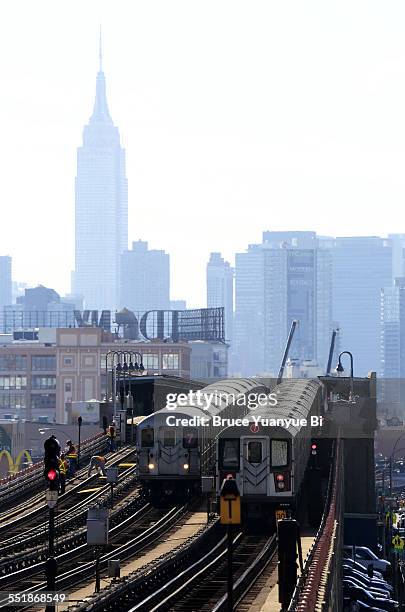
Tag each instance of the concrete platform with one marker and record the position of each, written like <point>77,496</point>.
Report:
<point>267,600</point>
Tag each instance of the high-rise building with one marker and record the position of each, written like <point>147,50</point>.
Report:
<point>277,282</point>
<point>392,382</point>
<point>362,267</point>
<point>145,278</point>
<point>220,290</point>
<point>5,281</point>
<point>101,229</point>
<point>397,242</point>
<point>249,311</point>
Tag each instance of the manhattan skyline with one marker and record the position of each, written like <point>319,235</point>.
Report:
<point>239,120</point>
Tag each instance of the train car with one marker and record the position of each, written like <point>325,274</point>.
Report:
<point>268,456</point>
<point>177,445</point>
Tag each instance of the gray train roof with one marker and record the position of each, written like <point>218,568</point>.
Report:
<point>231,387</point>
<point>295,399</point>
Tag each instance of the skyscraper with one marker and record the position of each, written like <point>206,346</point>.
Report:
<point>285,278</point>
<point>398,250</point>
<point>145,278</point>
<point>392,382</point>
<point>101,230</point>
<point>362,267</point>
<point>5,281</point>
<point>220,290</point>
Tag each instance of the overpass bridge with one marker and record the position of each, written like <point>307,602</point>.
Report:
<point>349,515</point>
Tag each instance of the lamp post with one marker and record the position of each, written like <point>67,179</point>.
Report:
<point>124,365</point>
<point>340,369</point>
<point>79,422</point>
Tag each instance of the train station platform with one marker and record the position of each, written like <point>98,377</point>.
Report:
<point>267,599</point>
<point>179,534</point>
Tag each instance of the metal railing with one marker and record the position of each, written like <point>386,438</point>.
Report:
<point>318,587</point>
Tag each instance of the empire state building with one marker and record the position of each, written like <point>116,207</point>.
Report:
<point>101,211</point>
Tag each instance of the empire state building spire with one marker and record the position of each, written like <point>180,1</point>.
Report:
<point>100,111</point>
<point>101,207</point>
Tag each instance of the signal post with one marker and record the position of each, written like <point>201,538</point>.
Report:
<point>230,514</point>
<point>51,475</point>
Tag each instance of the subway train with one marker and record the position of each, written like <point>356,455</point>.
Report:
<point>177,445</point>
<point>269,455</point>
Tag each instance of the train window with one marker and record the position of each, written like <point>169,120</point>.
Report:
<point>279,453</point>
<point>229,454</point>
<point>254,452</point>
<point>190,437</point>
<point>169,436</point>
<point>147,437</point>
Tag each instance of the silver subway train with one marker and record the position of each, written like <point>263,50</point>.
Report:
<point>268,456</point>
<point>177,445</point>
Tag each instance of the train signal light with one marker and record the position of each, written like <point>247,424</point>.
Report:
<point>51,461</point>
<point>230,506</point>
<point>52,475</point>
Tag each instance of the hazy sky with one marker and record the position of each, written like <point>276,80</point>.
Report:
<point>237,117</point>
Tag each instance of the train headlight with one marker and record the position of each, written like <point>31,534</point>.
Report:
<point>151,466</point>
<point>186,466</point>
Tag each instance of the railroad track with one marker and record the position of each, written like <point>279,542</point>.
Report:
<point>24,487</point>
<point>203,586</point>
<point>194,578</point>
<point>143,528</point>
<point>18,551</point>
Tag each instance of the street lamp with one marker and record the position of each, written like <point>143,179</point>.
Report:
<point>124,365</point>
<point>340,368</point>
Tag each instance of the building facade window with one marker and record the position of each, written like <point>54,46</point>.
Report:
<point>68,387</point>
<point>13,362</point>
<point>43,402</point>
<point>43,363</point>
<point>12,401</point>
<point>44,382</point>
<point>170,361</point>
<point>68,361</point>
<point>150,361</point>
<point>13,382</point>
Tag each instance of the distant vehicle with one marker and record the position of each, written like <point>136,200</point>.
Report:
<point>361,605</point>
<point>376,592</point>
<point>348,570</point>
<point>348,560</point>
<point>360,594</point>
<point>394,422</point>
<point>365,557</point>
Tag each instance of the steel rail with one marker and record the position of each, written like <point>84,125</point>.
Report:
<point>125,551</point>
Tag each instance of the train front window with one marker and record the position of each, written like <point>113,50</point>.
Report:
<point>255,452</point>
<point>190,437</point>
<point>169,436</point>
<point>147,437</point>
<point>229,454</point>
<point>279,453</point>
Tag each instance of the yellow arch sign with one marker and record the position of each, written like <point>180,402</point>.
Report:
<point>14,466</point>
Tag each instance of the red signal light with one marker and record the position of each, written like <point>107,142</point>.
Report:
<point>51,475</point>
<point>313,446</point>
<point>280,477</point>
